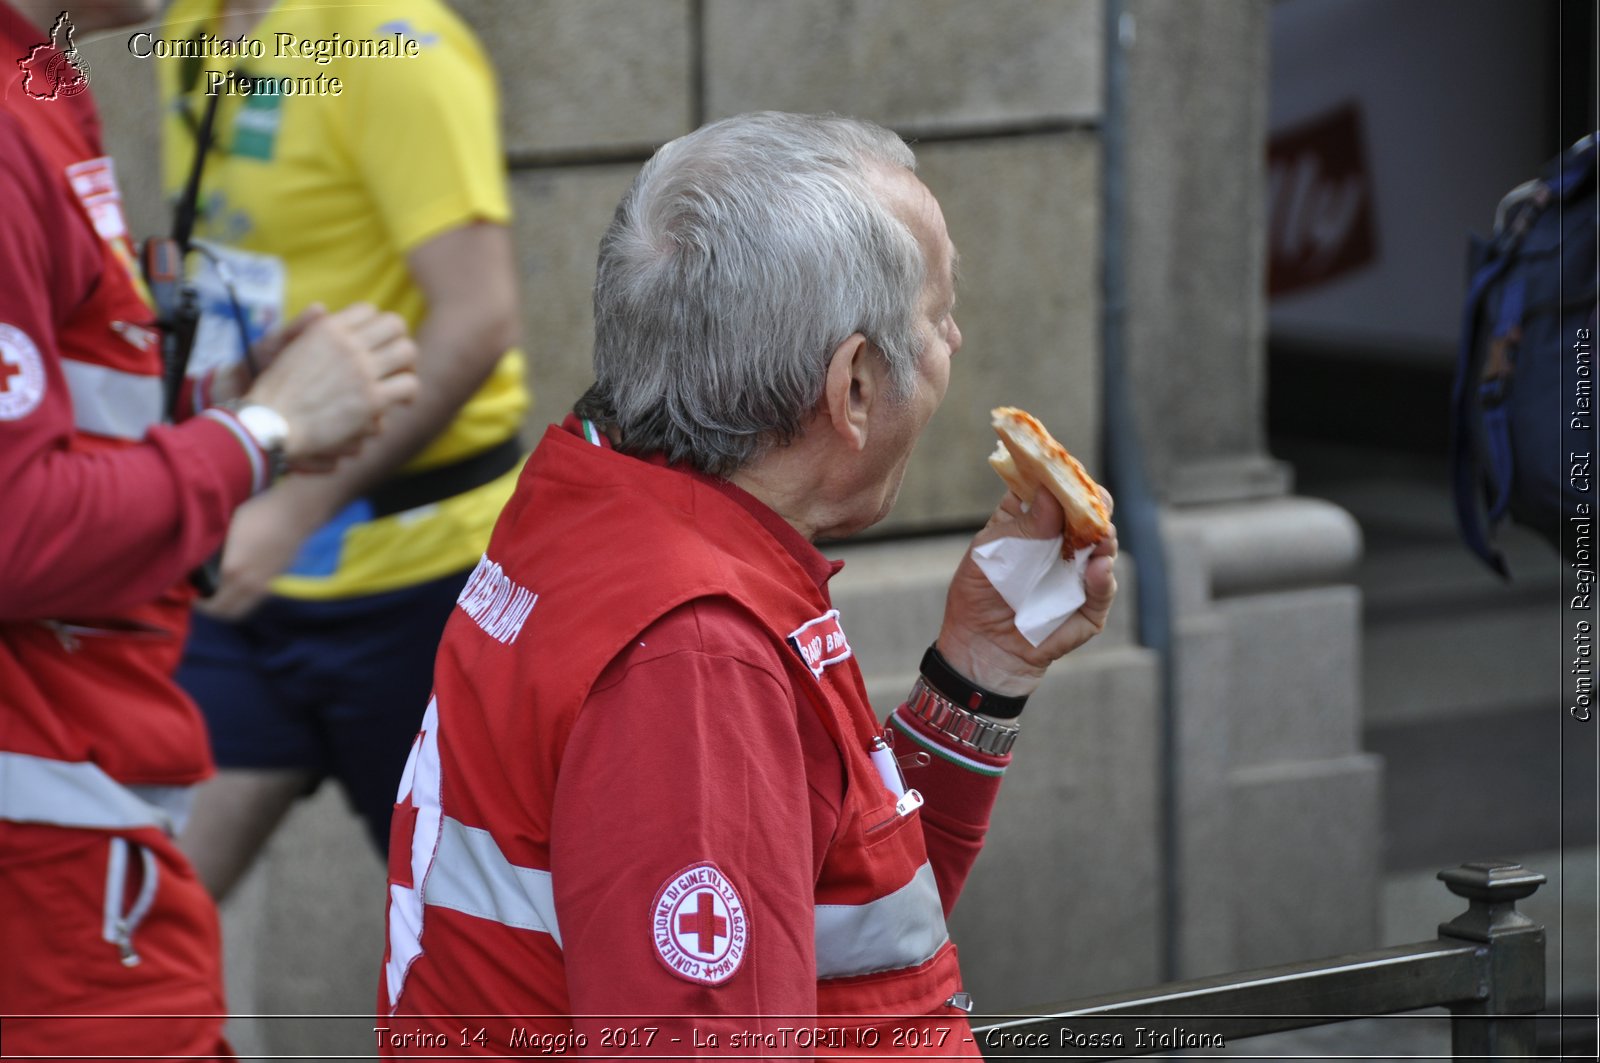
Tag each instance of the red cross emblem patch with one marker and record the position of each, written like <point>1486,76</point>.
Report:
<point>699,925</point>
<point>21,374</point>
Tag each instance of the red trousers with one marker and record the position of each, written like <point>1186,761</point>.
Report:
<point>111,947</point>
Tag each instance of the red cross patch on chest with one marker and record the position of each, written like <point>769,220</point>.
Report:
<point>821,642</point>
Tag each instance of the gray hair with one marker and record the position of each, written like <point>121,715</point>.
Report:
<point>743,254</point>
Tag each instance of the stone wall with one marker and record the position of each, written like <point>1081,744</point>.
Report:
<point>1000,100</point>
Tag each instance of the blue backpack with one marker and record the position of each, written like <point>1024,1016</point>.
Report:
<point>1523,414</point>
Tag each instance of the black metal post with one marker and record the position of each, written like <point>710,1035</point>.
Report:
<point>1499,1023</point>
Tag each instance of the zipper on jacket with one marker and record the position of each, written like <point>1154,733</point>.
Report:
<point>120,925</point>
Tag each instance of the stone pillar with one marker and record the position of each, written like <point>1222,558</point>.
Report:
<point>1195,135</point>
<point>1274,805</point>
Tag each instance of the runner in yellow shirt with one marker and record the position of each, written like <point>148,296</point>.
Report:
<point>355,155</point>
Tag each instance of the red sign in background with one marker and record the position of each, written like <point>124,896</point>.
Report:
<point>1321,224</point>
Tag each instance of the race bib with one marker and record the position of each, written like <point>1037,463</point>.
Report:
<point>241,297</point>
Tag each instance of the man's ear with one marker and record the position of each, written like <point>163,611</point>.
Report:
<point>854,385</point>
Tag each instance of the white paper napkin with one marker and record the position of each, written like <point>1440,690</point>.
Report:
<point>1039,586</point>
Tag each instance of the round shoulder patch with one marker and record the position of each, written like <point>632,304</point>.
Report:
<point>699,925</point>
<point>21,374</point>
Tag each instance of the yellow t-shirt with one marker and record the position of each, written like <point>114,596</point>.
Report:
<point>346,135</point>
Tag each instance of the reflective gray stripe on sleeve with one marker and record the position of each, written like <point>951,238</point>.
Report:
<point>902,929</point>
<point>71,794</point>
<point>175,801</point>
<point>108,402</point>
<point>470,874</point>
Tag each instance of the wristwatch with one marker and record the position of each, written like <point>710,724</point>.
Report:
<point>949,703</point>
<point>949,719</point>
<point>270,431</point>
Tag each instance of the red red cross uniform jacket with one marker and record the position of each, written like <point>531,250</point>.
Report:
<point>111,526</point>
<point>643,805</point>
<point>105,510</point>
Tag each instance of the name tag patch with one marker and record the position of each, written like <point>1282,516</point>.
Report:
<point>94,182</point>
<point>496,602</point>
<point>821,642</point>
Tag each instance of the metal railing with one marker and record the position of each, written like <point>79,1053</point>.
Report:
<point>1487,966</point>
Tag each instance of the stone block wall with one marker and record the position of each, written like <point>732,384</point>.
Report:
<point>1000,100</point>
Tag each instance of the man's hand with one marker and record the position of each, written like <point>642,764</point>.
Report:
<point>335,379</point>
<point>980,638</point>
<point>263,539</point>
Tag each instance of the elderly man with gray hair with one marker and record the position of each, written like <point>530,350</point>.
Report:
<point>650,809</point>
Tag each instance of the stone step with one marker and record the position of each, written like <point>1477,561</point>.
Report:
<point>1463,662</point>
<point>1415,560</point>
<point>1443,636</point>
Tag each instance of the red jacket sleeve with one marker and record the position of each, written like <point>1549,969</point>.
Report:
<point>691,756</point>
<point>85,532</point>
<point>959,788</point>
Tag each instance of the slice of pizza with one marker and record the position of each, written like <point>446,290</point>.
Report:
<point>1028,458</point>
